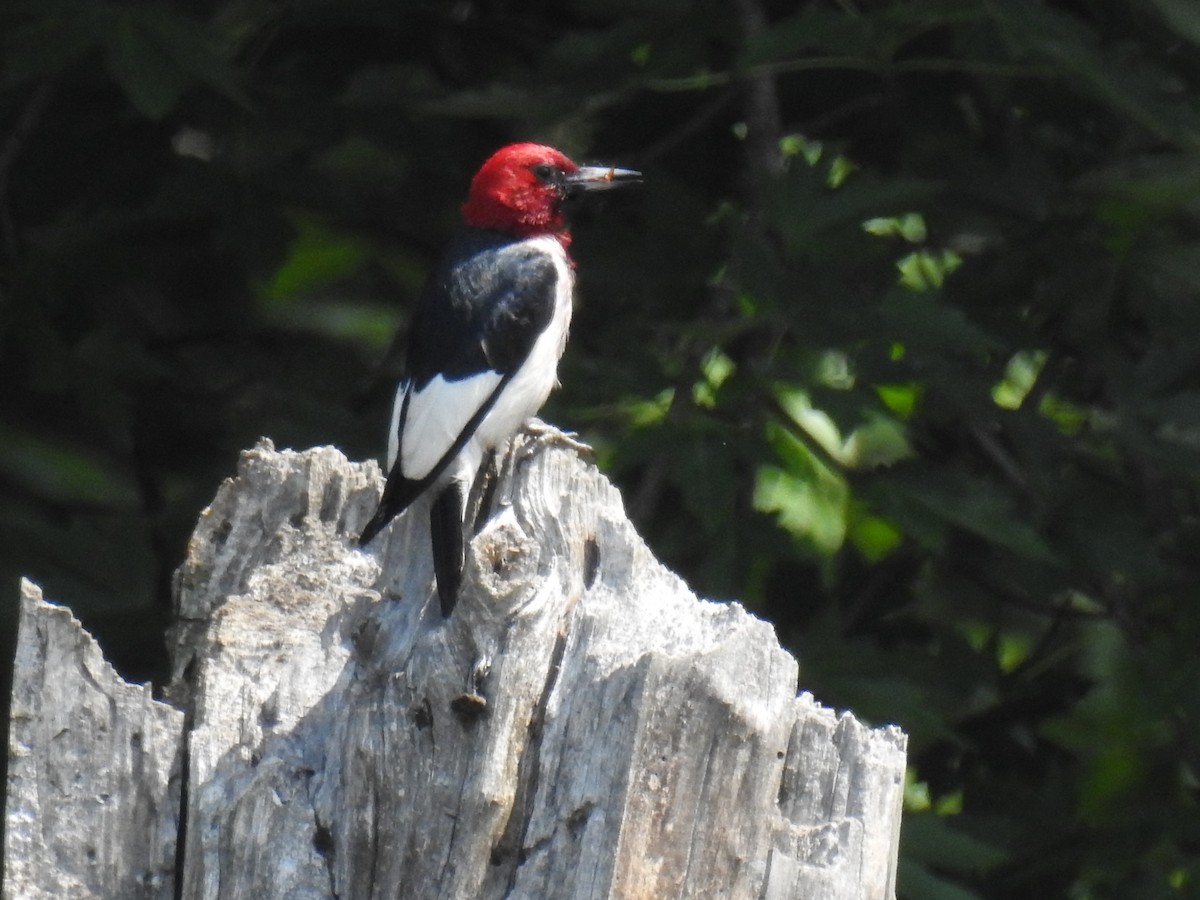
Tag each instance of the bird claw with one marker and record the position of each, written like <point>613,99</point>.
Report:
<point>544,435</point>
<point>495,481</point>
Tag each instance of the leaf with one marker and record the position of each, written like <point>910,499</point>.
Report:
<point>880,441</point>
<point>900,399</point>
<point>317,257</point>
<point>873,536</point>
<point>934,839</point>
<point>715,368</point>
<point>155,54</point>
<point>910,227</point>
<point>924,270</point>
<point>963,501</point>
<point>925,323</point>
<point>1019,377</point>
<point>809,499</point>
<point>63,473</point>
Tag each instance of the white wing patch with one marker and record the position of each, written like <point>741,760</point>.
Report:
<point>437,415</point>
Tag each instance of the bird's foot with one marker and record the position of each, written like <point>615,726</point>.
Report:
<point>497,477</point>
<point>544,435</point>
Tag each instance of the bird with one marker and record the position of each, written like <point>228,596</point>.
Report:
<point>485,340</point>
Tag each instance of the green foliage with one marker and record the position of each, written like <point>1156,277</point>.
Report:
<point>904,355</point>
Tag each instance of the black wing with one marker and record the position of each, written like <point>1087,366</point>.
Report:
<point>483,310</point>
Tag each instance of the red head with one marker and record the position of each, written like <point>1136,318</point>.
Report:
<point>521,190</point>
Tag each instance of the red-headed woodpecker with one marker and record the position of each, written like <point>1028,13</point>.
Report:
<point>484,344</point>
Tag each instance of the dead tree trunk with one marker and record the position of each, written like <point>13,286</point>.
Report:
<point>581,727</point>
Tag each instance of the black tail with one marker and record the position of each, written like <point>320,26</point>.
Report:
<point>446,534</point>
<point>398,493</point>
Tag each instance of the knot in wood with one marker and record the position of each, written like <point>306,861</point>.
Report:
<point>505,558</point>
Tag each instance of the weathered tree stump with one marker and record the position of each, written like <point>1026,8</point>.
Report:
<point>94,770</point>
<point>582,726</point>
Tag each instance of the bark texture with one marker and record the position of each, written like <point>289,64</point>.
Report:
<point>93,770</point>
<point>581,727</point>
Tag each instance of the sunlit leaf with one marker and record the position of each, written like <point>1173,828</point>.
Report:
<point>916,793</point>
<point>910,227</point>
<point>1012,651</point>
<point>798,145</point>
<point>878,441</point>
<point>809,499</point>
<point>1069,417</point>
<point>840,168</point>
<point>645,413</point>
<point>1019,377</point>
<point>923,270</point>
<point>949,804</point>
<point>716,367</point>
<point>834,370</point>
<point>901,399</point>
<point>873,536</point>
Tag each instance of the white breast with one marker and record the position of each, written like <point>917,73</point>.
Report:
<point>538,375</point>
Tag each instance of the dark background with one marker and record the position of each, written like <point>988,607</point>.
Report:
<point>899,344</point>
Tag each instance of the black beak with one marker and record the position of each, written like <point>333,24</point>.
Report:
<point>600,178</point>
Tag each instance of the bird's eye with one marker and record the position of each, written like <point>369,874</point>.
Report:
<point>545,172</point>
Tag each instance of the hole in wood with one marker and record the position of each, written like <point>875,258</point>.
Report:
<point>323,840</point>
<point>591,561</point>
<point>422,714</point>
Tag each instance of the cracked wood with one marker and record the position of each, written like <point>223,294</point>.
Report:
<point>582,726</point>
